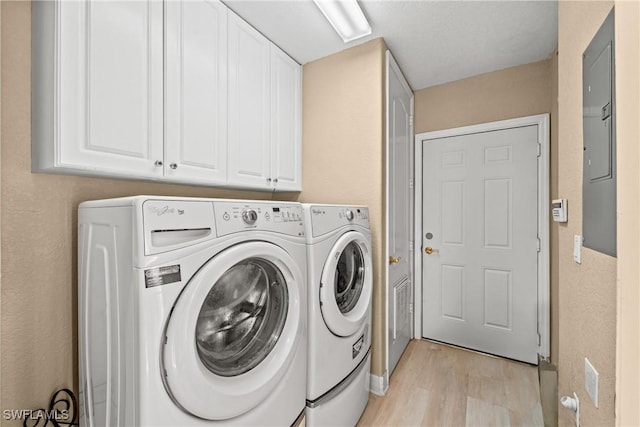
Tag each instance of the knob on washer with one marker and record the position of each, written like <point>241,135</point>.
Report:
<point>249,216</point>
<point>349,215</point>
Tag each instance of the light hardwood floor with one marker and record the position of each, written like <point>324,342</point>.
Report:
<point>439,385</point>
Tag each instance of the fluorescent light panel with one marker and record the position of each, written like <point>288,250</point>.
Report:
<point>346,17</point>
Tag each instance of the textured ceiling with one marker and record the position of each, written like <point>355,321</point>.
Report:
<point>434,42</point>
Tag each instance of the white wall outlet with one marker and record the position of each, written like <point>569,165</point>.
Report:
<point>591,381</point>
<point>577,249</point>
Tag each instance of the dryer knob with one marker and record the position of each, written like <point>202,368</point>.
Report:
<point>249,216</point>
<point>350,215</point>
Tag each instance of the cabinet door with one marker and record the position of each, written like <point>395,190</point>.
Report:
<point>109,87</point>
<point>249,105</point>
<point>286,144</point>
<point>196,91</point>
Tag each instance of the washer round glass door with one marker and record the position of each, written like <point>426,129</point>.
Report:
<point>233,331</point>
<point>345,294</point>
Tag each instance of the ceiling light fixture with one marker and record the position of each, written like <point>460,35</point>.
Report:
<point>346,17</point>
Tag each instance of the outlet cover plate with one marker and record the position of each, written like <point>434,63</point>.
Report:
<point>591,381</point>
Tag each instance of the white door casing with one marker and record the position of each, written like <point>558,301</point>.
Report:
<point>484,199</point>
<point>399,213</point>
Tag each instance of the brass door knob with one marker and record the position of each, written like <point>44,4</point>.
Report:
<point>429,250</point>
<point>394,260</point>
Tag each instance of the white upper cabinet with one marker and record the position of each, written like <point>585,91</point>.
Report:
<point>176,91</point>
<point>286,120</point>
<point>249,105</point>
<point>97,87</point>
<point>196,92</point>
<point>264,112</point>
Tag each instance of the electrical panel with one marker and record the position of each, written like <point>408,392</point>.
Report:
<point>599,156</point>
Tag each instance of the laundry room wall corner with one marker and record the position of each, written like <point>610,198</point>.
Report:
<point>343,146</point>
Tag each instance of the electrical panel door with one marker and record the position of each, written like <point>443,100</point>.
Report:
<point>599,159</point>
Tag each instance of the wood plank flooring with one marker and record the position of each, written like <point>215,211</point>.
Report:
<point>440,385</point>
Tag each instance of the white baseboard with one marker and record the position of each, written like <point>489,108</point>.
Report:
<point>379,385</point>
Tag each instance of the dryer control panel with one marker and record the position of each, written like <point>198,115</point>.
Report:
<point>233,217</point>
<point>325,219</point>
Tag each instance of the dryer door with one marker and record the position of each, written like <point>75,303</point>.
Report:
<point>233,331</point>
<point>346,284</point>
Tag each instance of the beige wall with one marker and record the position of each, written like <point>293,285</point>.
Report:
<point>628,139</point>
<point>514,92</point>
<point>587,290</point>
<point>505,94</point>
<point>39,250</point>
<point>343,134</point>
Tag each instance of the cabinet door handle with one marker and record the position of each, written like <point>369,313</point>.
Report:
<point>268,180</point>
<point>173,166</point>
<point>275,180</point>
<point>158,163</point>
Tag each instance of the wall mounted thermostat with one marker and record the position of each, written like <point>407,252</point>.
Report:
<point>559,210</point>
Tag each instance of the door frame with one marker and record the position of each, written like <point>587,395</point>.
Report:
<point>381,386</point>
<point>544,302</point>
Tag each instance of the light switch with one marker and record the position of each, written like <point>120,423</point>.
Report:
<point>577,249</point>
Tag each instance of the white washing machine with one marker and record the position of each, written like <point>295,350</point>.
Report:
<point>340,281</point>
<point>192,312</point>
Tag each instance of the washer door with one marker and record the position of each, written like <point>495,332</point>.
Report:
<point>345,294</point>
<point>233,331</point>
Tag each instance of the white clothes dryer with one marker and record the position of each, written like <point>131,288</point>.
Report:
<point>192,312</point>
<point>340,282</point>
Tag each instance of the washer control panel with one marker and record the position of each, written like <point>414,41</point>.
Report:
<point>233,217</point>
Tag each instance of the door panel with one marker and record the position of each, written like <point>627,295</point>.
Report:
<point>286,155</point>
<point>196,91</point>
<point>480,226</point>
<point>399,292</point>
<point>214,368</point>
<point>249,105</point>
<point>110,86</point>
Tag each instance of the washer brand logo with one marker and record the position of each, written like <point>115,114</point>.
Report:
<point>316,211</point>
<point>161,211</point>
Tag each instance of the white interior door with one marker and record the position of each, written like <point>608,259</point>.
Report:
<point>480,241</point>
<point>400,135</point>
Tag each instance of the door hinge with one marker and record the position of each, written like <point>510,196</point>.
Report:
<point>538,244</point>
<point>411,183</point>
<point>410,308</point>
<point>410,245</point>
<point>410,120</point>
<point>539,149</point>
